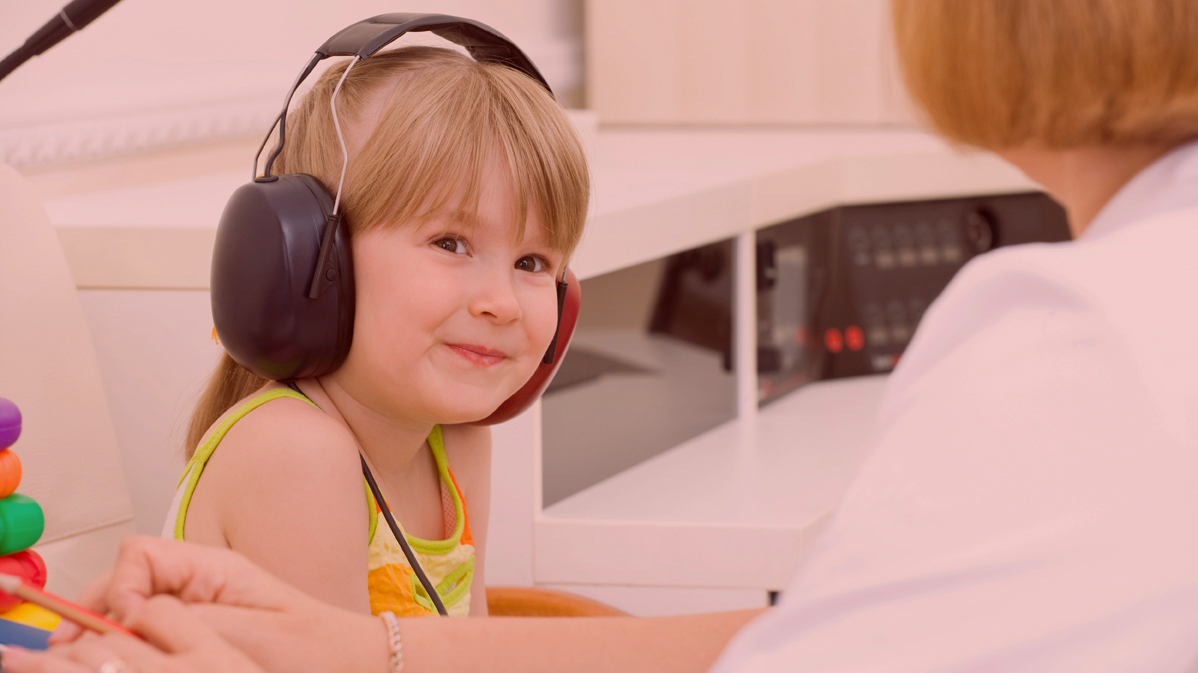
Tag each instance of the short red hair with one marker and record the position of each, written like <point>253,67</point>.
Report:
<point>1052,73</point>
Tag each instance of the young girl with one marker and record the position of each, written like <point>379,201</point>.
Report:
<point>466,192</point>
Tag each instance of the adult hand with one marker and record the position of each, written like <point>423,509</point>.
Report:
<point>177,641</point>
<point>282,629</point>
<point>278,626</point>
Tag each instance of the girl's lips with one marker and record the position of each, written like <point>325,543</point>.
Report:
<point>478,355</point>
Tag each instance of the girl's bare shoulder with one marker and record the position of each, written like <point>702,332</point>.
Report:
<point>284,487</point>
<point>291,436</point>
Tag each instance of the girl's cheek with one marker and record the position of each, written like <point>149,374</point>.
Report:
<point>546,319</point>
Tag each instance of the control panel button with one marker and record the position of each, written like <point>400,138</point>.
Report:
<point>875,324</point>
<point>946,231</point>
<point>925,239</point>
<point>854,338</point>
<point>859,245</point>
<point>896,315</point>
<point>883,255</point>
<point>883,363</point>
<point>833,340</point>
<point>873,314</point>
<point>950,241</point>
<point>979,228</point>
<point>881,238</point>
<point>915,309</point>
<point>904,242</point>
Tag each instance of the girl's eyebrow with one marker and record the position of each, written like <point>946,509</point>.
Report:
<point>459,217</point>
<point>446,220</point>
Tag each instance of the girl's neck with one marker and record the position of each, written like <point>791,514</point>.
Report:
<point>390,445</point>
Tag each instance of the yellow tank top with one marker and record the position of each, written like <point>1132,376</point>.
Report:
<point>393,586</point>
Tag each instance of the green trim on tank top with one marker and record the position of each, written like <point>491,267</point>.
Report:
<point>451,589</point>
<point>436,442</point>
<point>195,466</point>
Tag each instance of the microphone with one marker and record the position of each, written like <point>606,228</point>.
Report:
<point>74,17</point>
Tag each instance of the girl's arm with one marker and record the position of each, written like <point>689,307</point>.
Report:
<point>468,450</point>
<point>285,489</point>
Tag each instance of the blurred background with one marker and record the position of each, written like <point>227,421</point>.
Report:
<point>154,74</point>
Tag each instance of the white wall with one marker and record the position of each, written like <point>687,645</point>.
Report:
<point>160,73</point>
<point>155,356</point>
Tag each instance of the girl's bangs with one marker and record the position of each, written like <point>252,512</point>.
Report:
<point>435,137</point>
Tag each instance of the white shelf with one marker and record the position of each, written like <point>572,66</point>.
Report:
<point>744,495</point>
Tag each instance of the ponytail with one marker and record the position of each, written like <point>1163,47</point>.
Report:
<point>229,383</point>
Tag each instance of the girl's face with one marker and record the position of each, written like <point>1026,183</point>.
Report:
<point>452,317</point>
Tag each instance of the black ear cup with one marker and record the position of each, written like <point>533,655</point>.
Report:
<point>275,313</point>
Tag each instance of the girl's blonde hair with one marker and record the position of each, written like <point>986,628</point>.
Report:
<point>1052,73</point>
<point>422,124</point>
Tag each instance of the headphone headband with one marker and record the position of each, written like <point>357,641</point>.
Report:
<point>484,43</point>
<point>364,38</point>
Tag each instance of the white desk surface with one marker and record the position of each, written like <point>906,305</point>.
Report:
<point>655,192</point>
<point>743,496</point>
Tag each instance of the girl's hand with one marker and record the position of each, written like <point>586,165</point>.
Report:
<point>177,641</point>
<point>278,626</point>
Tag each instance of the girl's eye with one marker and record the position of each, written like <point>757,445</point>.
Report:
<point>531,264</point>
<point>451,244</point>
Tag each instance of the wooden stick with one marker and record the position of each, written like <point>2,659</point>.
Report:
<point>83,617</point>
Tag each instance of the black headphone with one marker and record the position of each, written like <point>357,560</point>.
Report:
<point>282,274</point>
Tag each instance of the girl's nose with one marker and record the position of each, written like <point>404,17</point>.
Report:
<point>494,297</point>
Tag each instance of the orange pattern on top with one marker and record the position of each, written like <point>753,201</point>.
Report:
<point>391,581</point>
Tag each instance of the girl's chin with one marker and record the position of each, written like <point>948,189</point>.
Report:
<point>461,418</point>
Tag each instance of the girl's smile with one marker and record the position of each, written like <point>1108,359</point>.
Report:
<point>479,355</point>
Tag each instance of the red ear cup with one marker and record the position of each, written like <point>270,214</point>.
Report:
<point>531,391</point>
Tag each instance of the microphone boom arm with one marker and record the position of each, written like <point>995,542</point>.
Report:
<point>72,18</point>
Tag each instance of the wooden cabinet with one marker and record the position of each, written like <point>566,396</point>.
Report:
<point>766,62</point>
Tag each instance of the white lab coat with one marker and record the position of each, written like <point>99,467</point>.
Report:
<point>1031,502</point>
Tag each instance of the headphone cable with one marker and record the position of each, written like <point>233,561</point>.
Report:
<point>391,523</point>
<point>402,540</point>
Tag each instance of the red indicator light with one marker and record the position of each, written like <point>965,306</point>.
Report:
<point>854,338</point>
<point>833,341</point>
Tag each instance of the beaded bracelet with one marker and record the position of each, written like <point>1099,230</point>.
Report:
<point>396,646</point>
